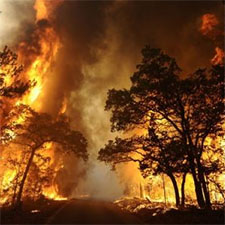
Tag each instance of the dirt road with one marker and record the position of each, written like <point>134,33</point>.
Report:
<point>91,212</point>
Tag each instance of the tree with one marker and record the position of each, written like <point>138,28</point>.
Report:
<point>13,84</point>
<point>33,130</point>
<point>153,155</point>
<point>188,110</point>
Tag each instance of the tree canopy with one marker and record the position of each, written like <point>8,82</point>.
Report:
<point>179,113</point>
<point>40,128</point>
<point>33,130</point>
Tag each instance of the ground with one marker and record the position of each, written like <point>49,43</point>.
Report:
<point>91,211</point>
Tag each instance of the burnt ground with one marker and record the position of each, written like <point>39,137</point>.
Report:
<point>42,210</point>
<point>100,212</point>
<point>186,216</point>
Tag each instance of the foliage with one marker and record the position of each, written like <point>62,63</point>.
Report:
<point>179,114</point>
<point>11,84</point>
<point>40,128</point>
<point>30,131</point>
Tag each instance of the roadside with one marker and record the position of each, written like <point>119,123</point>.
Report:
<point>90,211</point>
<point>33,212</point>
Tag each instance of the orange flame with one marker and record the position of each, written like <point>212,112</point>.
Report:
<point>37,57</point>
<point>39,68</point>
<point>51,193</point>
<point>209,22</point>
<point>219,56</point>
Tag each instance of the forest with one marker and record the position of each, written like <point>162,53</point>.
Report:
<point>97,129</point>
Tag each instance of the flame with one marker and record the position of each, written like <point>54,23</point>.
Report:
<point>159,188</point>
<point>209,22</point>
<point>37,56</point>
<point>63,107</point>
<point>219,56</point>
<point>8,177</point>
<point>39,69</point>
<point>41,10</point>
<point>51,193</point>
<point>210,29</point>
<point>38,63</point>
<point>45,9</point>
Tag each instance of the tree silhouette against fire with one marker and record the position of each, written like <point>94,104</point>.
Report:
<point>177,119</point>
<point>30,131</point>
<point>178,115</point>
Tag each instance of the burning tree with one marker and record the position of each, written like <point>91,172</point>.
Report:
<point>35,132</point>
<point>179,114</point>
<point>11,84</point>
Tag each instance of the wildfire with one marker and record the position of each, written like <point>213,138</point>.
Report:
<point>41,10</point>
<point>159,188</point>
<point>37,57</point>
<point>9,175</point>
<point>40,66</point>
<point>51,193</point>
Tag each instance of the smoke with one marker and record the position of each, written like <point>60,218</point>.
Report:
<point>14,15</point>
<point>100,47</point>
<point>102,43</point>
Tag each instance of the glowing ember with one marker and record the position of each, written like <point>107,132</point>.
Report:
<point>35,211</point>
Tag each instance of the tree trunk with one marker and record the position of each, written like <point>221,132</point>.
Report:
<point>175,187</point>
<point>204,185</point>
<point>18,203</point>
<point>197,183</point>
<point>198,187</point>
<point>164,188</point>
<point>15,189</point>
<point>141,191</point>
<point>183,189</point>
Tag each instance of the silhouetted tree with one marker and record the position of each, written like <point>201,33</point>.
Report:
<point>35,131</point>
<point>153,154</point>
<point>188,110</point>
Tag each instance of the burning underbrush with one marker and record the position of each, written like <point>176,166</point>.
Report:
<point>160,213</point>
<point>135,205</point>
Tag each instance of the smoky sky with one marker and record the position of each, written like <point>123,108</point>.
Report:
<point>86,28</point>
<point>101,43</point>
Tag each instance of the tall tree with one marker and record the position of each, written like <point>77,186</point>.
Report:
<point>188,110</point>
<point>152,153</point>
<point>33,130</point>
